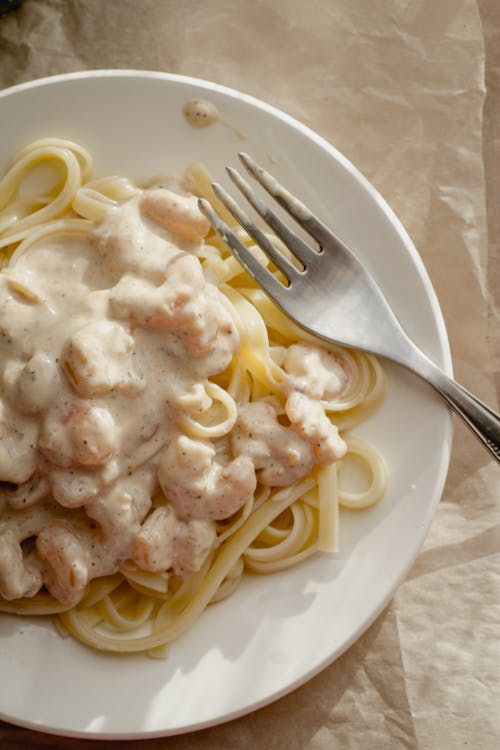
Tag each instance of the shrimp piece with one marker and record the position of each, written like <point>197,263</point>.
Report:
<point>279,454</point>
<point>128,246</point>
<point>315,371</point>
<point>145,304</point>
<point>98,359</point>
<point>32,386</point>
<point>77,435</point>
<point>18,439</point>
<point>198,486</point>
<point>186,305</point>
<point>20,576</point>
<point>194,542</point>
<point>166,542</point>
<point>120,512</point>
<point>54,441</point>
<point>308,418</point>
<point>283,453</point>
<point>74,487</point>
<point>208,328</point>
<point>64,562</point>
<point>153,545</point>
<point>177,213</point>
<point>116,514</point>
<point>93,436</point>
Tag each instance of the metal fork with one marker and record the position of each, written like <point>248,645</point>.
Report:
<point>331,294</point>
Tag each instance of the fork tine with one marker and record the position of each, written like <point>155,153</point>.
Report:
<point>295,244</point>
<point>257,271</point>
<point>298,210</point>
<point>279,260</point>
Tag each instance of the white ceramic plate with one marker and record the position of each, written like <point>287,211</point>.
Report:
<point>274,633</point>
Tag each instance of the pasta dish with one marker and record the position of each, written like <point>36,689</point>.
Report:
<point>164,428</point>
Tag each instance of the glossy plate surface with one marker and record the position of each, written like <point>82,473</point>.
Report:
<point>275,632</point>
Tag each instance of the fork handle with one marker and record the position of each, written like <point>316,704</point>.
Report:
<point>479,417</point>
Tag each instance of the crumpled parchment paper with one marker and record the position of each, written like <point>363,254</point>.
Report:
<point>398,86</point>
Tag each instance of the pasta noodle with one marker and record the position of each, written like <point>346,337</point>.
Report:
<point>48,195</point>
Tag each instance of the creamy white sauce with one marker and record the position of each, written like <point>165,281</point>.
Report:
<point>106,345</point>
<point>200,113</point>
<point>101,338</point>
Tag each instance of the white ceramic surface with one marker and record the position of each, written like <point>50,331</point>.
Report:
<point>276,632</point>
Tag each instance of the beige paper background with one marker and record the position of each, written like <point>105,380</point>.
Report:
<point>399,87</point>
